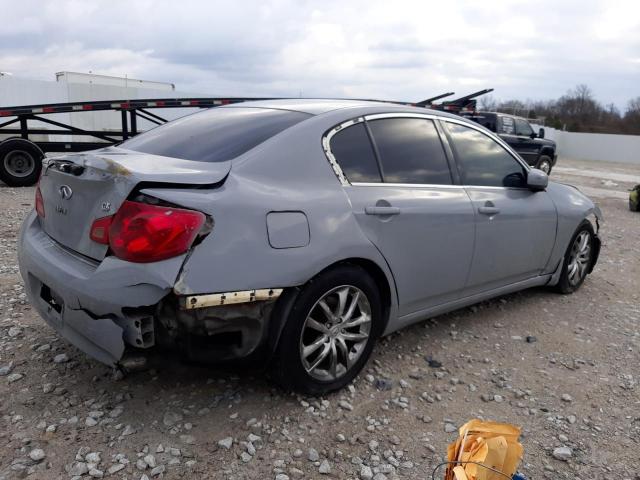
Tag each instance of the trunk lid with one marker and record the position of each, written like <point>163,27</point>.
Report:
<point>79,188</point>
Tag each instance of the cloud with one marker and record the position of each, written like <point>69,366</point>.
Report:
<point>368,49</point>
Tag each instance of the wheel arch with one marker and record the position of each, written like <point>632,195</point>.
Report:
<point>547,151</point>
<point>285,303</point>
<point>379,276</point>
<point>20,140</point>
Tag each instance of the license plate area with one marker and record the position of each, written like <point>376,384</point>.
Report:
<point>55,304</point>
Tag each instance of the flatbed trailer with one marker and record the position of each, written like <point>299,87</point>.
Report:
<point>21,155</point>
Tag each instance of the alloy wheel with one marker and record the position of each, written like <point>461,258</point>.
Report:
<point>545,167</point>
<point>579,258</point>
<point>335,333</point>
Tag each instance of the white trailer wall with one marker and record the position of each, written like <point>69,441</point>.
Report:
<point>21,91</point>
<point>596,146</point>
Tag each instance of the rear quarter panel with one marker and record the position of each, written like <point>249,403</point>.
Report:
<point>289,172</point>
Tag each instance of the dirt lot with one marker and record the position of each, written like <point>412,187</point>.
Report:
<point>565,368</point>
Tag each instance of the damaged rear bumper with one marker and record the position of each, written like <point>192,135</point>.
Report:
<point>100,338</point>
<point>109,307</point>
<point>89,302</point>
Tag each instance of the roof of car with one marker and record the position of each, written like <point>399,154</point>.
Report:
<point>312,106</point>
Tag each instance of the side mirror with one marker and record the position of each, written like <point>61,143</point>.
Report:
<point>537,180</point>
<point>541,133</point>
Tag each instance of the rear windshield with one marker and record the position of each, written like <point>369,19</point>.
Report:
<point>215,135</point>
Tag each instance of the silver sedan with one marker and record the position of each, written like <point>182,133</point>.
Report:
<point>294,233</point>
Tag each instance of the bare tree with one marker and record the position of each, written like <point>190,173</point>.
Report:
<point>583,94</point>
<point>632,115</point>
<point>488,103</point>
<point>577,110</point>
<point>634,105</point>
<point>515,107</point>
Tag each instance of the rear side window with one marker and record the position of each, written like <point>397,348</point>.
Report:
<point>508,126</point>
<point>483,161</point>
<point>215,135</point>
<point>486,120</point>
<point>352,149</point>
<point>410,151</point>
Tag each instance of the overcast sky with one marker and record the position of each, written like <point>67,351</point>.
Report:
<point>403,50</point>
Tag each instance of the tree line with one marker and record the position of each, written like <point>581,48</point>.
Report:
<point>576,111</point>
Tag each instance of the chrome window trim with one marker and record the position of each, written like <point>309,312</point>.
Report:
<point>490,135</point>
<point>404,185</point>
<point>430,185</point>
<point>377,116</point>
<point>326,145</point>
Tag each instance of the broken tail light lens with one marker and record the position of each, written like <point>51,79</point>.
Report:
<point>144,233</point>
<point>39,203</point>
<point>100,230</point>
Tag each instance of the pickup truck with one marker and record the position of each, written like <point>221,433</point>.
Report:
<point>536,150</point>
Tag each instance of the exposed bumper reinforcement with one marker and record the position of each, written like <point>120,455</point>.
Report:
<point>227,298</point>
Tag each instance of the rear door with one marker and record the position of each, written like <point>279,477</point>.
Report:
<point>515,227</point>
<point>406,202</point>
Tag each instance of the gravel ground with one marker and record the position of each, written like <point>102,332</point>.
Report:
<point>564,368</point>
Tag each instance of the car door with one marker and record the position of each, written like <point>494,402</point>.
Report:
<point>507,132</point>
<point>404,198</point>
<point>526,145</point>
<point>515,226</point>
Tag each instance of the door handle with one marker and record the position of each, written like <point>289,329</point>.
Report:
<point>381,210</point>
<point>486,210</point>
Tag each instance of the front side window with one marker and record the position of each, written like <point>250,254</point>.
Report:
<point>352,150</point>
<point>508,126</point>
<point>483,161</point>
<point>410,151</point>
<point>523,128</point>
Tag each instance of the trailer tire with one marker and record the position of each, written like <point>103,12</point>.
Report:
<point>20,162</point>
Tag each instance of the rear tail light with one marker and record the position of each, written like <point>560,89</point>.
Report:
<point>39,202</point>
<point>144,233</point>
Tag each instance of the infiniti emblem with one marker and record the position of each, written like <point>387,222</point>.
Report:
<point>65,192</point>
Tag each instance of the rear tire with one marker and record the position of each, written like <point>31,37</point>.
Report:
<point>319,351</point>
<point>20,162</point>
<point>577,259</point>
<point>545,164</point>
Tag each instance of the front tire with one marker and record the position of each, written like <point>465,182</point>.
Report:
<point>577,259</point>
<point>330,332</point>
<point>544,164</point>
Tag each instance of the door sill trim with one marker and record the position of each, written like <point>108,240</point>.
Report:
<point>408,319</point>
